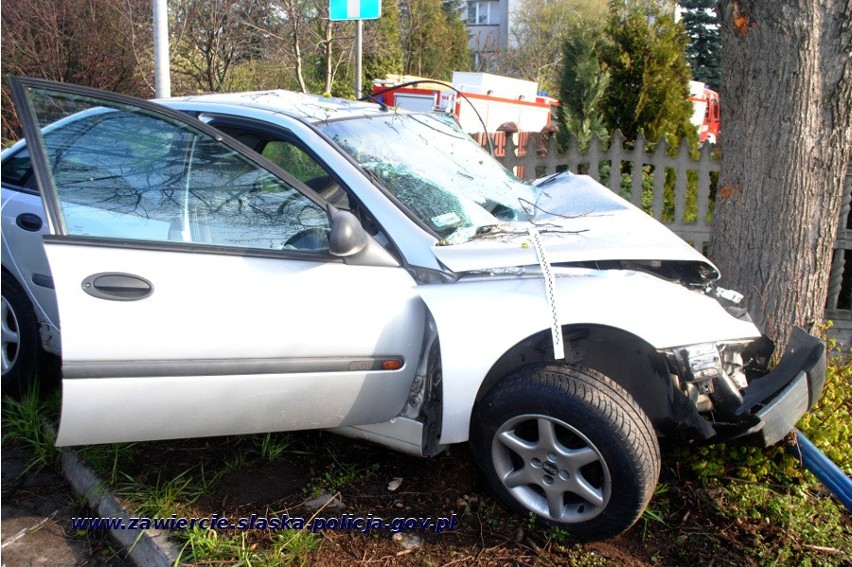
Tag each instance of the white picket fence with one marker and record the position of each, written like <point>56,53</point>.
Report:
<point>686,209</point>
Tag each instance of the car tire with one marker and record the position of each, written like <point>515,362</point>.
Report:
<point>20,337</point>
<point>568,445</point>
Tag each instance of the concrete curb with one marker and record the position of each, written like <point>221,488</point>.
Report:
<point>143,547</point>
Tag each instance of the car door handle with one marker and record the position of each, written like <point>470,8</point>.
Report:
<point>117,286</point>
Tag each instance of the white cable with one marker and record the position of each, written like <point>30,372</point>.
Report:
<point>550,294</point>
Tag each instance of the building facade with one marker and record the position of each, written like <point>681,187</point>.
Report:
<point>488,23</point>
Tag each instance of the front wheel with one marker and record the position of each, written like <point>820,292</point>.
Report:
<point>569,445</point>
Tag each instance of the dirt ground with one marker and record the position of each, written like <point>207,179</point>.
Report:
<point>36,520</point>
<point>359,474</point>
<point>692,532</point>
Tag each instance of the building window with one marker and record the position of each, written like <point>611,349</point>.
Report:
<point>482,12</point>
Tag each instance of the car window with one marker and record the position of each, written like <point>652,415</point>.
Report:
<point>289,156</point>
<point>122,172</point>
<point>18,170</point>
<point>292,158</point>
<point>302,166</point>
<point>456,191</point>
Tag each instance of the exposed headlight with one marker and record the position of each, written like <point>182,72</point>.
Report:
<point>708,374</point>
<point>699,364</point>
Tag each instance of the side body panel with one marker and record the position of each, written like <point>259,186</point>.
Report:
<point>23,256</point>
<point>479,320</point>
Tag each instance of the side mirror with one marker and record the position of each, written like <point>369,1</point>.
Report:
<point>347,236</point>
<point>348,240</point>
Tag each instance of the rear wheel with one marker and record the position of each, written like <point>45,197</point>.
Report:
<point>19,336</point>
<point>569,445</point>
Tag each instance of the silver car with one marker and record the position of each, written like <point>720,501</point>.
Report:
<point>274,261</point>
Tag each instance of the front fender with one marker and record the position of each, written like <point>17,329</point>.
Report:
<point>478,320</point>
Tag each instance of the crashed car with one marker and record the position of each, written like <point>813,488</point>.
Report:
<point>272,261</point>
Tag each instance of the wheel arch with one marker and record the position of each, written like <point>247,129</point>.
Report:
<point>625,358</point>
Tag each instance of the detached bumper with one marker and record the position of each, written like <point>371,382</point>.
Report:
<point>784,395</point>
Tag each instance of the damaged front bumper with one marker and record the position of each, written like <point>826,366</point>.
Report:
<point>781,397</point>
<point>732,395</point>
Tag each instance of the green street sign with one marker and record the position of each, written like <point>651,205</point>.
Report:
<point>355,10</point>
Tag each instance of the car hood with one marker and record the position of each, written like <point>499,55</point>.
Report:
<point>579,220</point>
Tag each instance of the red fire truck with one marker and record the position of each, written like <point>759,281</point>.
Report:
<point>498,100</point>
<point>706,114</point>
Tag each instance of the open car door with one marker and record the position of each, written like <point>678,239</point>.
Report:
<point>197,294</point>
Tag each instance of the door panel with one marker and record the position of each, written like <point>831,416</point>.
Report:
<point>230,344</point>
<point>196,292</point>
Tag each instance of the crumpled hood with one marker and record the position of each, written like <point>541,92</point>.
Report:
<point>580,220</point>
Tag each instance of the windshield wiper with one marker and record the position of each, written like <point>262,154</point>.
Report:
<point>535,209</point>
<point>549,178</point>
<point>496,230</point>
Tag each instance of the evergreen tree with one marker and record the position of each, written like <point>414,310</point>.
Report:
<point>459,57</point>
<point>704,51</point>
<point>581,89</point>
<point>649,86</point>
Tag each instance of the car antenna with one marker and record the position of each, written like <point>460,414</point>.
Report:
<point>371,96</point>
<point>382,104</point>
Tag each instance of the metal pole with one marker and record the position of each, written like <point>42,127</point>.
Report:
<point>162,78</point>
<point>823,468</point>
<point>359,30</point>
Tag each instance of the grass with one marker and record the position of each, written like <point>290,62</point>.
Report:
<point>106,459</point>
<point>336,476</point>
<point>656,510</point>
<point>272,446</point>
<point>802,519</point>
<point>169,488</point>
<point>24,425</point>
<point>163,497</point>
<point>212,547</point>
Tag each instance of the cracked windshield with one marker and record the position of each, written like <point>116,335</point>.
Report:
<point>437,171</point>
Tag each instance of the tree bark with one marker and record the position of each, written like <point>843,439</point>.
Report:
<point>786,146</point>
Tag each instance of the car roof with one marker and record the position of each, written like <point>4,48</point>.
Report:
<point>313,108</point>
<point>308,107</point>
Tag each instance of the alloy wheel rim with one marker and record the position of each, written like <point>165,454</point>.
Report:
<point>551,468</point>
<point>10,336</point>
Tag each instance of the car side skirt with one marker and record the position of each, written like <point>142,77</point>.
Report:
<point>109,410</point>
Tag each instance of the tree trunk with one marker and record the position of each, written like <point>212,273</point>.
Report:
<point>786,145</point>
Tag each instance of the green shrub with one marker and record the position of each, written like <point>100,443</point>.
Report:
<point>829,424</point>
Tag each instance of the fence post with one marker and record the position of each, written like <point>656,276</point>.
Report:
<point>616,154</point>
<point>593,154</point>
<point>659,162</point>
<point>704,169</point>
<point>637,185</point>
<point>681,181</point>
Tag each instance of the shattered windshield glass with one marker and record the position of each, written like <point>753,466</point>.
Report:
<point>437,171</point>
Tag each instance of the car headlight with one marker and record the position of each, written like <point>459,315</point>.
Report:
<point>711,376</point>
